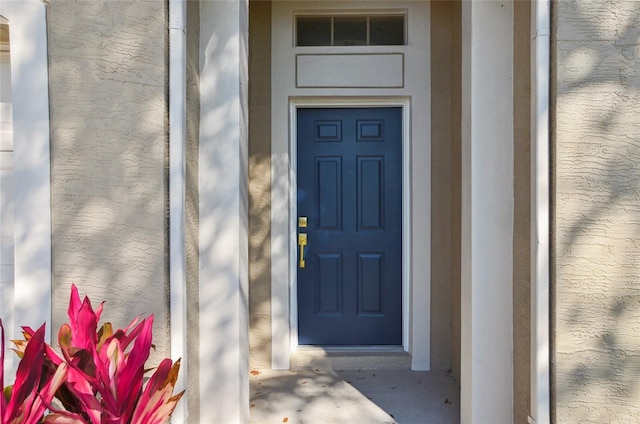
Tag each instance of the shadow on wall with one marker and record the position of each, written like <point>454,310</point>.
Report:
<point>109,157</point>
<point>597,203</point>
<point>223,212</point>
<point>260,184</point>
<point>260,261</point>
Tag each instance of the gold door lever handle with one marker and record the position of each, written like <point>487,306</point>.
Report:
<point>302,242</point>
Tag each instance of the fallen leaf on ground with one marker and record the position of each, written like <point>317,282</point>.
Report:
<point>285,419</point>
<point>446,401</point>
<point>256,372</point>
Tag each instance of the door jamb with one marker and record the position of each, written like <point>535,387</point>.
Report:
<point>296,103</point>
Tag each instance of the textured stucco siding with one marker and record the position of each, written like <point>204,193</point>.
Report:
<point>596,295</point>
<point>108,85</point>
<point>192,201</point>
<point>522,211</point>
<point>444,187</point>
<point>260,184</point>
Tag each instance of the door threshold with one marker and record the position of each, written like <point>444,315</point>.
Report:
<point>355,349</point>
<point>335,358</point>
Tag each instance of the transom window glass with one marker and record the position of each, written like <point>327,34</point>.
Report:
<point>350,30</point>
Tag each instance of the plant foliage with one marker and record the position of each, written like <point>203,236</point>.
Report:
<point>96,377</point>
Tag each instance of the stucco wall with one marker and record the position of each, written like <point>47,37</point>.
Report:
<point>521,210</point>
<point>260,184</point>
<point>192,200</point>
<point>445,187</point>
<point>108,82</point>
<point>441,186</point>
<point>456,176</point>
<point>596,295</point>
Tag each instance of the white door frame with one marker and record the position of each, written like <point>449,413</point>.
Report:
<point>342,102</point>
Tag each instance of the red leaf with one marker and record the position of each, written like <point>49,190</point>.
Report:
<point>3,401</point>
<point>130,380</point>
<point>27,377</point>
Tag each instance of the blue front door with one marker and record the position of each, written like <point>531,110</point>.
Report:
<point>350,192</point>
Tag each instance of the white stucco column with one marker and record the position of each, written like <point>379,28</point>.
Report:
<point>223,188</point>
<point>177,188</point>
<point>540,204</point>
<point>487,212</point>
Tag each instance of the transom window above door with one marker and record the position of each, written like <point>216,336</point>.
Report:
<point>350,30</point>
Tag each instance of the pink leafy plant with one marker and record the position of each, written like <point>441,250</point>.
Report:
<point>97,378</point>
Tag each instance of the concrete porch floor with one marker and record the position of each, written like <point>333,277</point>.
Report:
<point>353,397</point>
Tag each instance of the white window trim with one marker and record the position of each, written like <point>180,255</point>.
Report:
<point>32,187</point>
